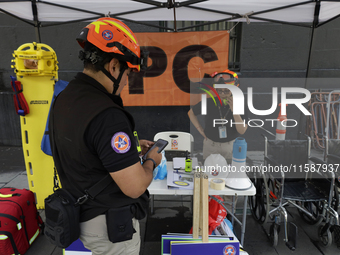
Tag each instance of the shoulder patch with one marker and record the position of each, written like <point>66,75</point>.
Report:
<point>120,142</point>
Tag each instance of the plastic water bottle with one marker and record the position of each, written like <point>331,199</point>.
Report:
<point>188,163</point>
<point>237,178</point>
<point>239,153</point>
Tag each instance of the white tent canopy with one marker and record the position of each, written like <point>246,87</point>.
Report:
<point>41,13</point>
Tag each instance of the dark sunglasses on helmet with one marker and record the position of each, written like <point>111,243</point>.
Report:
<point>225,78</point>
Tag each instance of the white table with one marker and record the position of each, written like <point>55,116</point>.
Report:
<point>159,187</point>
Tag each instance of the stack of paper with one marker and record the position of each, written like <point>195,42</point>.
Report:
<point>180,179</point>
<point>185,244</point>
<point>177,178</point>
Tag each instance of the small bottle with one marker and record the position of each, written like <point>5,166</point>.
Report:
<point>188,166</point>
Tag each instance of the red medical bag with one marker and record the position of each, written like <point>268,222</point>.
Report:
<point>20,222</point>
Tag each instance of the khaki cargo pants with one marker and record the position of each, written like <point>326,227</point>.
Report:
<point>93,234</point>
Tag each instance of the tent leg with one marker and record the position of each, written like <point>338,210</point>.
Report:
<point>36,20</point>
<point>302,128</point>
<point>309,56</point>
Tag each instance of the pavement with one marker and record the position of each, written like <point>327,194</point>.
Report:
<point>175,215</point>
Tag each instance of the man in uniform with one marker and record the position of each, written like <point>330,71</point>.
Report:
<point>93,137</point>
<point>220,139</point>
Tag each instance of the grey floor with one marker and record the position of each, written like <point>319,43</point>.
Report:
<point>171,215</point>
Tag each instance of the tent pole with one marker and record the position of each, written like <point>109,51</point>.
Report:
<point>309,55</point>
<point>302,128</point>
<point>36,21</point>
<point>315,24</point>
<point>37,34</point>
<point>175,22</point>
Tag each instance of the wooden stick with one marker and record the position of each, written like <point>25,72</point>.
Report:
<point>196,206</point>
<point>205,207</point>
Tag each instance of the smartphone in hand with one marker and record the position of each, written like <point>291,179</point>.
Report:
<point>161,144</point>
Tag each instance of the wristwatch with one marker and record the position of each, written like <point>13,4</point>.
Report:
<point>154,163</point>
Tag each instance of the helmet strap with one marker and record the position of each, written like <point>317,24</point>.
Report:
<point>115,81</point>
<point>98,60</point>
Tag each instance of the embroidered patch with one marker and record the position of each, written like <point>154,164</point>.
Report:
<point>107,35</point>
<point>120,142</point>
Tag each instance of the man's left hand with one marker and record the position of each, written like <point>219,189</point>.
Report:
<point>145,145</point>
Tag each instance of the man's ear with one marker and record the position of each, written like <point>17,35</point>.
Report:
<point>113,65</point>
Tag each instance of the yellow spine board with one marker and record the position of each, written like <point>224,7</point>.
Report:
<point>38,86</point>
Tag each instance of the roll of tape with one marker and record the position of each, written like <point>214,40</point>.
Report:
<point>217,184</point>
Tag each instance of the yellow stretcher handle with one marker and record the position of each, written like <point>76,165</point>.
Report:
<point>43,57</point>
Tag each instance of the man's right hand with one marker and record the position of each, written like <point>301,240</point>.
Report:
<point>134,180</point>
<point>157,157</point>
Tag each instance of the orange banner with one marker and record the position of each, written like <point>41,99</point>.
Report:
<point>175,59</point>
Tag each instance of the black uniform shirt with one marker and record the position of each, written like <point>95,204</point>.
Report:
<point>94,137</point>
<point>109,135</point>
<point>213,112</point>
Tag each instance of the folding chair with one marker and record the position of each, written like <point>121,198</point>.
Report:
<point>180,143</point>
